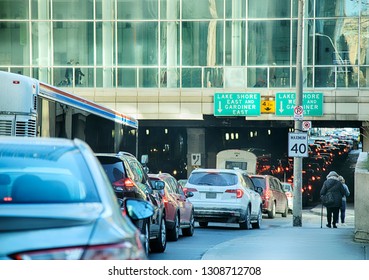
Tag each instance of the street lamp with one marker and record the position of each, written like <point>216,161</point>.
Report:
<point>341,61</point>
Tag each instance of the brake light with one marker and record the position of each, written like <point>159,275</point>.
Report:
<point>165,200</point>
<point>126,182</point>
<point>267,195</point>
<point>191,190</point>
<point>119,251</point>
<point>239,193</point>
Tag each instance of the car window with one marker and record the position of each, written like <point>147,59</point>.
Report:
<point>169,185</point>
<point>272,183</point>
<point>213,179</point>
<point>113,167</point>
<point>180,190</point>
<point>174,184</point>
<point>58,176</point>
<point>278,185</point>
<point>258,182</point>
<point>248,182</point>
<point>287,187</point>
<point>242,182</point>
<point>137,171</point>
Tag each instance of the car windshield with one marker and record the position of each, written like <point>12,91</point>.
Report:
<point>258,182</point>
<point>44,174</point>
<point>213,179</point>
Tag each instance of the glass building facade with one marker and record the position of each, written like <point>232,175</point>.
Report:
<point>185,43</point>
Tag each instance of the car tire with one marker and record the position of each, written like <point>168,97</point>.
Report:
<point>271,213</point>
<point>285,213</point>
<point>173,234</point>
<point>160,243</point>
<point>189,231</point>
<point>257,225</point>
<point>146,233</point>
<point>203,224</point>
<point>247,223</point>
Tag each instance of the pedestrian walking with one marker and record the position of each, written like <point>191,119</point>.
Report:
<point>344,200</point>
<point>79,75</point>
<point>333,186</point>
<point>69,73</point>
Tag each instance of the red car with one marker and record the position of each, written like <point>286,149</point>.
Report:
<point>273,196</point>
<point>179,210</point>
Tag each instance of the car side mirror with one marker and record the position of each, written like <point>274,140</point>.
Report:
<point>138,209</point>
<point>189,194</point>
<point>158,185</point>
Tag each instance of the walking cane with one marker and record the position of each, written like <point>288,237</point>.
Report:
<point>321,217</point>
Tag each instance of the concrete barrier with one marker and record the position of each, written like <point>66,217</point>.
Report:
<point>362,198</point>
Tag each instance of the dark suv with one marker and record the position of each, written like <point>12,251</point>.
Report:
<point>129,179</point>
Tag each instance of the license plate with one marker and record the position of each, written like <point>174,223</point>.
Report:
<point>211,195</point>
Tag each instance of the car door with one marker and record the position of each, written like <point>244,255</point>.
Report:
<point>184,203</point>
<point>143,182</point>
<point>171,198</point>
<point>254,196</point>
<point>279,194</point>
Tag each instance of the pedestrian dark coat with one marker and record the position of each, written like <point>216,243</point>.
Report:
<point>333,185</point>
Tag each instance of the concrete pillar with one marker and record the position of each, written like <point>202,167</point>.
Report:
<point>108,43</point>
<point>172,44</point>
<point>44,50</point>
<point>362,198</point>
<point>365,136</point>
<point>68,122</point>
<point>195,145</point>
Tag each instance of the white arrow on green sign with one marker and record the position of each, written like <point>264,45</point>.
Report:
<point>237,104</point>
<point>312,103</point>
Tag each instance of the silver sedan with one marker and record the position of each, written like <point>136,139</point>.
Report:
<point>56,203</point>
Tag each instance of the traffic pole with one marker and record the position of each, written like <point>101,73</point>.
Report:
<point>297,163</point>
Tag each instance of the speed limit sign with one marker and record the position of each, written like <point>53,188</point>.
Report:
<point>298,145</point>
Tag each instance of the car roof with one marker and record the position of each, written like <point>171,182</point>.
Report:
<point>160,175</point>
<point>38,140</point>
<point>218,170</point>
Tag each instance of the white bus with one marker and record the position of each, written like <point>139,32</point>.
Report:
<point>234,158</point>
<point>18,105</point>
<point>32,108</point>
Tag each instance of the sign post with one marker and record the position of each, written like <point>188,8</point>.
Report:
<point>297,161</point>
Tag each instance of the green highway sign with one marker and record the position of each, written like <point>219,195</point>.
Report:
<point>312,103</point>
<point>237,104</point>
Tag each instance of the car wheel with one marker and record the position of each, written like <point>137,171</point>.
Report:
<point>173,234</point>
<point>160,243</point>
<point>285,213</point>
<point>146,233</point>
<point>271,213</point>
<point>203,224</point>
<point>247,223</point>
<point>260,218</point>
<point>191,229</point>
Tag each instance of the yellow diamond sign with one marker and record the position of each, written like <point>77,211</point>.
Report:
<point>267,107</point>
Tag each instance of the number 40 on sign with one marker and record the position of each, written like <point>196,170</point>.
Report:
<point>298,145</point>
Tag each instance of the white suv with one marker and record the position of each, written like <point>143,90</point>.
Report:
<point>225,196</point>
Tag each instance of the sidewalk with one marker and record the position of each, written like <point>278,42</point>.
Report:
<point>309,242</point>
